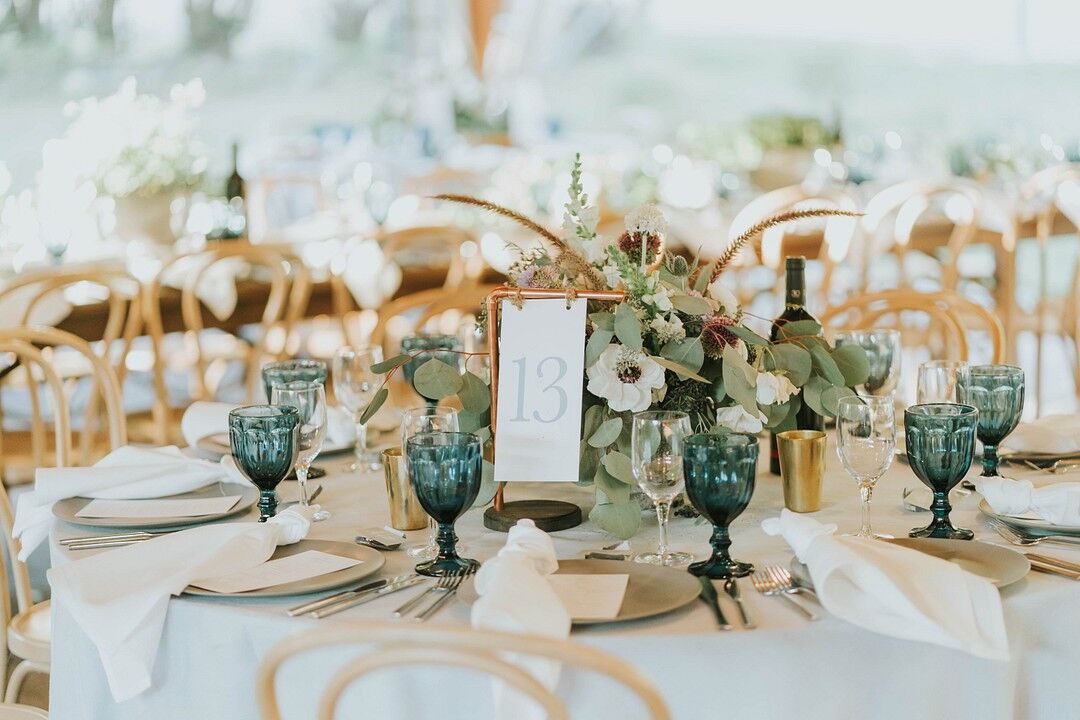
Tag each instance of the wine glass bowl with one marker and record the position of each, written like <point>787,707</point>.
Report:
<point>418,420</point>
<point>355,385</point>
<point>445,469</point>
<point>263,439</point>
<point>865,444</point>
<point>656,445</point>
<point>937,381</point>
<point>883,354</point>
<point>940,440</point>
<point>719,472</point>
<point>309,398</point>
<point>997,392</point>
<point>284,371</point>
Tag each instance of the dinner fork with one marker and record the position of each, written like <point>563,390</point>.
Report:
<point>776,581</point>
<point>440,588</point>
<point>433,608</point>
<point>1018,537</point>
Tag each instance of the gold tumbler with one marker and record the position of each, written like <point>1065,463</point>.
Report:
<point>405,510</point>
<point>802,468</point>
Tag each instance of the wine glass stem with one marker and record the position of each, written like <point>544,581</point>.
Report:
<point>663,511</point>
<point>361,444</point>
<point>301,481</point>
<point>989,460</point>
<point>446,539</point>
<point>865,491</point>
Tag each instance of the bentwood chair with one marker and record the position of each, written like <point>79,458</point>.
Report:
<point>282,286</point>
<point>11,711</point>
<point>483,651</point>
<point>436,310</point>
<point>27,633</point>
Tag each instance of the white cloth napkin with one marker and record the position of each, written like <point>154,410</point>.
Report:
<point>1058,503</point>
<point>127,473</point>
<point>1053,434</point>
<point>515,596</point>
<point>897,591</point>
<point>212,418</point>
<point>120,597</point>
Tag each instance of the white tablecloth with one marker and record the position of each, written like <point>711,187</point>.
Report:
<point>788,668</point>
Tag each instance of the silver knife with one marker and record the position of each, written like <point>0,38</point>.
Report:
<point>731,587</point>
<point>349,602</point>
<point>708,595</point>
<point>339,596</point>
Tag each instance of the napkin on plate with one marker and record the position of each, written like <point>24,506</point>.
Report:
<point>212,418</point>
<point>1057,503</point>
<point>127,473</point>
<point>515,596</point>
<point>1050,435</point>
<point>897,591</point>
<point>120,597</point>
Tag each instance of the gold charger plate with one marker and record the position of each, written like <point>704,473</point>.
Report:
<point>651,590</point>
<point>371,562</point>
<point>999,565</point>
<point>67,508</point>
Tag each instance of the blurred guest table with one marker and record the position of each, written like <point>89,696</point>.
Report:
<point>788,668</point>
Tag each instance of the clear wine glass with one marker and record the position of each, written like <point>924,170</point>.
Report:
<point>355,384</point>
<point>883,353</point>
<point>937,381</point>
<point>657,440</point>
<point>426,420</point>
<point>309,398</point>
<point>865,441</point>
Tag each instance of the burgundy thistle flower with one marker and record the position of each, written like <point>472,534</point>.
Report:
<point>630,243</point>
<point>716,335</point>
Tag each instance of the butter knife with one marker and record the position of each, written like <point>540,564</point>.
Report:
<point>339,596</point>
<point>349,602</point>
<point>731,587</point>
<point>708,596</point>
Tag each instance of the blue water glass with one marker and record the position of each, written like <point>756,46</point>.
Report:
<point>286,371</point>
<point>997,392</point>
<point>264,446</point>
<point>940,441</point>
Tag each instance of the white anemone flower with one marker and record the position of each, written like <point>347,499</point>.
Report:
<point>774,389</point>
<point>625,378</point>
<point>737,419</point>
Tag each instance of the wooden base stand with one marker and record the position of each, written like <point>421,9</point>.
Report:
<point>549,515</point>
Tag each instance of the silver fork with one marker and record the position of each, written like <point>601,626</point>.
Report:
<point>1018,537</point>
<point>769,581</point>
<point>433,608</point>
<point>441,586</point>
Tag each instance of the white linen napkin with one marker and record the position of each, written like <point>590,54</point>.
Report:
<point>1052,435</point>
<point>1057,503</point>
<point>127,473</point>
<point>212,418</point>
<point>515,596</point>
<point>897,591</point>
<point>120,597</point>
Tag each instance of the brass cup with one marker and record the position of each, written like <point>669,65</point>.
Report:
<point>405,510</point>
<point>802,468</point>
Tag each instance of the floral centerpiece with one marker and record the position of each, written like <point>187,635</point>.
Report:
<point>679,340</point>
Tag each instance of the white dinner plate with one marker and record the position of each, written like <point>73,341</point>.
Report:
<point>67,508</point>
<point>1029,521</point>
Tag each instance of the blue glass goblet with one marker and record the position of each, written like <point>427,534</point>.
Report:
<point>997,392</point>
<point>719,471</point>
<point>940,441</point>
<point>445,470</point>
<point>286,371</point>
<point>264,446</point>
<point>416,344</point>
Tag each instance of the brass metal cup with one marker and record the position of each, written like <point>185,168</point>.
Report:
<point>405,510</point>
<point>802,468</point>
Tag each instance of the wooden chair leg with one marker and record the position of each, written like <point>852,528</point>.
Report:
<point>18,675</point>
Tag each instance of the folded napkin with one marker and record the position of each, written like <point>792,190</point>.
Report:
<point>120,597</point>
<point>897,591</point>
<point>1057,503</point>
<point>1051,435</point>
<point>515,596</point>
<point>127,473</point>
<point>212,418</point>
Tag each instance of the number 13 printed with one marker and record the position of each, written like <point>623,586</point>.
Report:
<point>551,370</point>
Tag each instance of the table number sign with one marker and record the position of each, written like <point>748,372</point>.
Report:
<point>541,377</point>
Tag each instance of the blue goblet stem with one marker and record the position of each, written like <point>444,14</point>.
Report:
<point>990,460</point>
<point>267,504</point>
<point>447,542</point>
<point>721,545</point>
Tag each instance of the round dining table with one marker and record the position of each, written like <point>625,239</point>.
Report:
<point>788,667</point>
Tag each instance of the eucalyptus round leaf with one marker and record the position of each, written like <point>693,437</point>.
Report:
<point>825,365</point>
<point>792,359</point>
<point>607,433</point>
<point>488,486</point>
<point>388,365</point>
<point>615,490</point>
<point>812,392</point>
<point>374,405</point>
<point>853,364</point>
<point>475,395</point>
<point>437,380</point>
<point>798,329</point>
<point>830,398</point>
<point>619,466</point>
<point>603,321</point>
<point>598,342</point>
<point>621,520</point>
<point>691,305</point>
<point>627,327</point>
<point>688,352</point>
<point>470,422</point>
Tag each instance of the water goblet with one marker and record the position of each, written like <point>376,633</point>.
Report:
<point>420,346</point>
<point>720,470</point>
<point>264,446</point>
<point>656,447</point>
<point>865,442</point>
<point>355,385</point>
<point>309,398</point>
<point>883,353</point>
<point>997,392</point>
<point>284,371</point>
<point>426,420</point>
<point>940,440</point>
<point>937,381</point>
<point>445,470</point>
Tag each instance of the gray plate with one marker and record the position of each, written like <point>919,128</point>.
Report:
<point>1035,524</point>
<point>372,561</point>
<point>651,590</point>
<point>249,495</point>
<point>999,565</point>
<point>218,444</point>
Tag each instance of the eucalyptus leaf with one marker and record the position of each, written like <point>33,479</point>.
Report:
<point>853,364</point>
<point>811,393</point>
<point>799,329</point>
<point>788,423</point>
<point>475,395</point>
<point>488,486</point>
<point>594,415</point>
<point>701,282</point>
<point>825,365</point>
<point>374,405</point>
<point>691,305</point>
<point>590,460</point>
<point>614,489</point>
<point>627,326</point>
<point>776,413</point>
<point>437,380</point>
<point>830,399</point>
<point>607,433</point>
<point>792,359</point>
<point>737,386</point>
<point>470,422</point>
<point>388,365</point>
<point>603,321</point>
<point>619,466</point>
<point>688,352</point>
<point>621,520</point>
<point>598,341</point>
<point>678,369</point>
<point>747,335</point>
